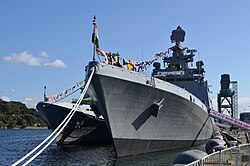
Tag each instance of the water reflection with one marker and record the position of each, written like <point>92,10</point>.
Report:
<point>101,155</point>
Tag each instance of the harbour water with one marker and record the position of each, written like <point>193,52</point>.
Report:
<point>14,144</point>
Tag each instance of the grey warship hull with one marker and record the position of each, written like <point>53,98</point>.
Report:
<point>83,128</point>
<point>145,114</point>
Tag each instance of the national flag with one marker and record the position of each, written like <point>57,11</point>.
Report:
<point>95,37</point>
<point>101,52</point>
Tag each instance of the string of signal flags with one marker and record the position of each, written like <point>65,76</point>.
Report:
<point>115,59</point>
<point>110,58</point>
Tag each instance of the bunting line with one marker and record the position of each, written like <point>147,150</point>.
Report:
<point>114,59</point>
<point>64,93</point>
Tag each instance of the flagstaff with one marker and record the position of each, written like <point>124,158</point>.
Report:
<point>93,52</point>
<point>95,38</point>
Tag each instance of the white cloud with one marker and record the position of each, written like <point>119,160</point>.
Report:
<point>5,98</point>
<point>244,101</point>
<point>31,102</point>
<point>44,54</point>
<point>23,57</point>
<point>244,104</point>
<point>29,59</point>
<point>57,63</point>
<point>5,93</point>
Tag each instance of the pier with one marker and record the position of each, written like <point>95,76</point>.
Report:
<point>235,156</point>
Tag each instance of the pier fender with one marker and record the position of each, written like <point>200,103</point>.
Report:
<point>218,148</point>
<point>189,156</point>
<point>212,143</point>
<point>218,137</point>
<point>217,133</point>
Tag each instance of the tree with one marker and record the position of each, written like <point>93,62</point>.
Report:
<point>16,114</point>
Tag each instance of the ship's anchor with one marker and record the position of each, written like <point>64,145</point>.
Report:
<point>156,107</point>
<point>152,110</point>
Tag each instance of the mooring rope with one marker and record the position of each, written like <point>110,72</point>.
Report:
<point>63,124</point>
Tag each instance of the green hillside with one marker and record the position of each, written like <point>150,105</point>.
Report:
<point>17,115</point>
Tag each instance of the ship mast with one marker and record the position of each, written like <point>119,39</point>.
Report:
<point>95,38</point>
<point>177,60</point>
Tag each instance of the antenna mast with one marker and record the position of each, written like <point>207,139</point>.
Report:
<point>95,39</point>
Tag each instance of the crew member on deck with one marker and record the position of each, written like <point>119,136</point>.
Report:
<point>130,65</point>
<point>116,59</point>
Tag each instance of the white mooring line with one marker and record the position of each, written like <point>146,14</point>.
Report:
<point>58,130</point>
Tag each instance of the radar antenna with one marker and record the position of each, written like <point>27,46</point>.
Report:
<point>178,35</point>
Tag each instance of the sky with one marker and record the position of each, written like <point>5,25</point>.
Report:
<point>49,42</point>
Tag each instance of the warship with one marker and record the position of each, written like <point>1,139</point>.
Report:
<point>83,128</point>
<point>166,110</point>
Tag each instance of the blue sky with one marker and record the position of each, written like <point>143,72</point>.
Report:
<point>49,42</point>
